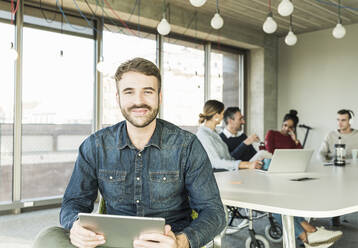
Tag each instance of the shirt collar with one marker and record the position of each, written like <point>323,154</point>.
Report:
<point>124,140</point>
<point>228,134</point>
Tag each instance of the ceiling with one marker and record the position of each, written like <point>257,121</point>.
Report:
<point>308,15</point>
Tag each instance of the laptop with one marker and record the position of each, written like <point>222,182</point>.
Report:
<point>290,161</point>
<point>118,230</point>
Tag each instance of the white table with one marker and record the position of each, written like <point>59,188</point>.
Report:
<point>333,193</point>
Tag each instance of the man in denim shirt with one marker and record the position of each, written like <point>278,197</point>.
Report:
<point>143,167</point>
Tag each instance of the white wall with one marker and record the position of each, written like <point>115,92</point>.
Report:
<point>317,77</point>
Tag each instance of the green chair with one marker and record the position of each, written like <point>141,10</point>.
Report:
<point>216,243</point>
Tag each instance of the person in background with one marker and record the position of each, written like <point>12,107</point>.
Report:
<point>240,146</point>
<point>349,136</point>
<point>142,166</point>
<point>285,138</point>
<point>216,149</point>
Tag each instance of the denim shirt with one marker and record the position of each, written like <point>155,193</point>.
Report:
<point>171,176</point>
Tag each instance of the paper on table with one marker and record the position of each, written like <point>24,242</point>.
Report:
<point>260,155</point>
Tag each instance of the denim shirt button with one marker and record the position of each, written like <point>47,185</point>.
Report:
<point>110,177</point>
<point>139,154</point>
<point>164,178</point>
<point>138,178</point>
<point>137,201</point>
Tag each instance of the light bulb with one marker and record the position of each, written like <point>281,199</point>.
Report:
<point>339,31</point>
<point>101,66</point>
<point>285,8</point>
<point>270,25</point>
<point>163,27</point>
<point>217,21</point>
<point>197,3</point>
<point>291,39</point>
<point>12,54</point>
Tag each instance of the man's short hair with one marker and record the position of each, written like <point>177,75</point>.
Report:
<point>140,65</point>
<point>346,112</point>
<point>229,113</point>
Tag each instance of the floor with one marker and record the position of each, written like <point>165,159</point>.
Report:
<point>18,231</point>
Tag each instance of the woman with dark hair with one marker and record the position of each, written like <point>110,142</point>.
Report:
<point>217,150</point>
<point>286,138</point>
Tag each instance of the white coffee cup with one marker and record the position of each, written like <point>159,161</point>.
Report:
<point>354,154</point>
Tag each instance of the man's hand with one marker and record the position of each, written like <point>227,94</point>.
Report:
<point>257,164</point>
<point>84,238</point>
<point>158,240</point>
<point>251,139</point>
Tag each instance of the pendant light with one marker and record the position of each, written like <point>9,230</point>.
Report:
<point>164,26</point>
<point>12,53</point>
<point>291,38</point>
<point>285,8</point>
<point>217,21</point>
<point>101,65</point>
<point>197,3</point>
<point>270,25</point>
<point>339,31</point>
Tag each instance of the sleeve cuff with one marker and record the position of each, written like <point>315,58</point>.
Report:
<point>191,236</point>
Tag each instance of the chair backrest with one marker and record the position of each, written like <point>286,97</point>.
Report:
<point>101,206</point>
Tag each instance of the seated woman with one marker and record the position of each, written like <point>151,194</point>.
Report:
<point>286,139</point>
<point>216,149</point>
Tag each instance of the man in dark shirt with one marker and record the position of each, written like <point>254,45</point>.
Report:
<point>240,146</point>
<point>142,166</point>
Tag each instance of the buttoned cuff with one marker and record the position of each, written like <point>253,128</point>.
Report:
<point>192,237</point>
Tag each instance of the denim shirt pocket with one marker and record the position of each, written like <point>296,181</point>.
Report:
<point>165,189</point>
<point>113,184</point>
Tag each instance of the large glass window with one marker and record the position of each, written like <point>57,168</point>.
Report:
<point>7,32</point>
<point>183,83</point>
<point>58,85</point>
<point>226,79</point>
<point>117,48</point>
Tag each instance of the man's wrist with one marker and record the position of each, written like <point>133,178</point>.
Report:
<point>182,241</point>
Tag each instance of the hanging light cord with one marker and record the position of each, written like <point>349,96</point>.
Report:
<point>339,11</point>
<point>120,19</point>
<point>14,10</point>
<point>269,5</point>
<point>48,20</point>
<point>164,9</point>
<point>217,7</point>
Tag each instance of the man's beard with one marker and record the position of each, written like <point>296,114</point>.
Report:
<point>136,121</point>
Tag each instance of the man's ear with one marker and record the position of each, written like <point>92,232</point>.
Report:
<point>160,98</point>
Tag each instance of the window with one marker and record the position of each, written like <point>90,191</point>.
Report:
<point>226,79</point>
<point>58,85</point>
<point>183,83</point>
<point>118,48</point>
<point>7,32</point>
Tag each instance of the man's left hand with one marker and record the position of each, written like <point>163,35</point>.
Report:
<point>159,240</point>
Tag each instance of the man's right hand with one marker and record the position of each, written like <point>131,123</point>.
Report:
<point>84,238</point>
<point>251,139</point>
<point>257,164</point>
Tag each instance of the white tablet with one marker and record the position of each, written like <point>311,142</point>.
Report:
<point>118,230</point>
